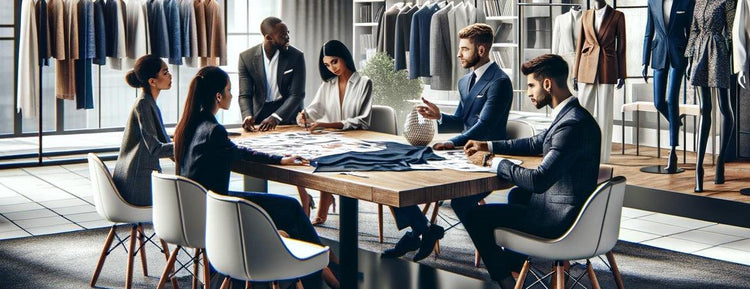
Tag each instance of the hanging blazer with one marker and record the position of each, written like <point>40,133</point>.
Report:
<point>667,41</point>
<point>440,50</point>
<point>419,42</point>
<point>601,54</point>
<point>290,78</point>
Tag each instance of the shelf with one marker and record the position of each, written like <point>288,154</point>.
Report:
<point>511,45</point>
<point>502,18</point>
<point>365,24</point>
<point>368,1</point>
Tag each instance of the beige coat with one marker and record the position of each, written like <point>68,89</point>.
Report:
<point>65,84</point>
<point>215,38</point>
<point>601,54</point>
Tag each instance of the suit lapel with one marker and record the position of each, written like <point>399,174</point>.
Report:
<point>260,69</point>
<point>659,11</point>
<point>606,21</point>
<point>672,15</point>
<point>588,25</point>
<point>282,66</point>
<point>478,86</point>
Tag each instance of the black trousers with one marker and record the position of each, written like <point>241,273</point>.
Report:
<point>271,107</point>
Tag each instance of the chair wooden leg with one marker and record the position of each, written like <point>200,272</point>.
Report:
<point>206,271</point>
<point>131,256</point>
<point>426,208</point>
<point>248,285</point>
<point>275,285</point>
<point>559,275</point>
<point>592,275</point>
<point>103,256</point>
<point>477,258</point>
<point>168,268</point>
<point>142,249</point>
<point>299,285</point>
<point>522,276</point>
<point>615,270</point>
<point>380,223</point>
<point>227,284</point>
<point>433,220</point>
<point>196,255</point>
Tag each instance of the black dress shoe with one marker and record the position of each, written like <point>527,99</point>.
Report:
<point>672,162</point>
<point>429,238</point>
<point>409,242</point>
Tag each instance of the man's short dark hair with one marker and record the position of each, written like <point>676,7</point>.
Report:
<point>478,34</point>
<point>268,24</point>
<point>550,66</point>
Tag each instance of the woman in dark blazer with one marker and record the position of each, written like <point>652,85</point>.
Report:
<point>144,140</point>
<point>204,153</point>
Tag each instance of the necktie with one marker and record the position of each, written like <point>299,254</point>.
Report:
<point>473,79</point>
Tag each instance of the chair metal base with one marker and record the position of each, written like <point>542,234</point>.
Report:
<point>659,169</point>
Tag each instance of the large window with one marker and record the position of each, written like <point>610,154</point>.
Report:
<point>113,98</point>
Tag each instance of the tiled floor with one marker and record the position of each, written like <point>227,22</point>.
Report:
<point>54,199</point>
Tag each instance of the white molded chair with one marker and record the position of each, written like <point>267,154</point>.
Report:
<point>383,119</point>
<point>594,232</point>
<point>179,214</point>
<point>242,242</point>
<point>515,129</point>
<point>112,207</point>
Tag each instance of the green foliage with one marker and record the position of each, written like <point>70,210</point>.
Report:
<point>389,87</point>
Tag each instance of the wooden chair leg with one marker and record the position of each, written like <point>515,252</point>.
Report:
<point>426,208</point>
<point>299,285</point>
<point>142,249</point>
<point>227,284</point>
<point>131,256</point>
<point>168,268</point>
<point>522,276</point>
<point>477,258</point>
<point>206,271</point>
<point>275,285</point>
<point>380,223</point>
<point>196,255</point>
<point>248,285</point>
<point>433,220</point>
<point>615,270</point>
<point>559,275</point>
<point>592,275</point>
<point>103,255</point>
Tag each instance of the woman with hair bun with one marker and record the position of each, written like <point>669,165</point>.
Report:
<point>145,140</point>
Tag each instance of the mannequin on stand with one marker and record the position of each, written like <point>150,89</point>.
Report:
<point>740,42</point>
<point>600,64</point>
<point>709,52</point>
<point>667,27</point>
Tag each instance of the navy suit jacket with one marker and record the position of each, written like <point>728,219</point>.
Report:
<point>209,154</point>
<point>419,41</point>
<point>555,191</point>
<point>290,77</point>
<point>660,42</point>
<point>483,111</point>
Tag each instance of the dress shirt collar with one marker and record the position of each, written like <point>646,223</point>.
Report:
<point>481,70</point>
<point>560,106</point>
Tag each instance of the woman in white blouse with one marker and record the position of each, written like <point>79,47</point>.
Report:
<point>343,101</point>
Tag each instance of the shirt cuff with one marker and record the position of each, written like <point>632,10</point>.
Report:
<point>489,146</point>
<point>496,162</point>
<point>449,142</point>
<point>276,116</point>
<point>440,120</point>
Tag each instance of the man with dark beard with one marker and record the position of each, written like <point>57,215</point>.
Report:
<point>546,199</point>
<point>482,113</point>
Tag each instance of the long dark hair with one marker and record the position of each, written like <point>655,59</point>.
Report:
<point>146,67</point>
<point>200,99</point>
<point>338,49</point>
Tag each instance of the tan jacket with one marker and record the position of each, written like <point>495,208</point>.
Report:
<point>601,54</point>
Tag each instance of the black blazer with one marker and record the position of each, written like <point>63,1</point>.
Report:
<point>566,177</point>
<point>659,42</point>
<point>290,78</point>
<point>210,154</point>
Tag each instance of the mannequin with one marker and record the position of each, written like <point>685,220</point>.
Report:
<point>667,27</point>
<point>709,68</point>
<point>565,34</point>
<point>600,64</point>
<point>740,37</point>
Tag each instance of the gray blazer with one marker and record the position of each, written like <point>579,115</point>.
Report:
<point>290,78</point>
<point>143,143</point>
<point>440,50</point>
<point>555,191</point>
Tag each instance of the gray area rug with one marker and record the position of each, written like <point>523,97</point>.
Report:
<point>68,260</point>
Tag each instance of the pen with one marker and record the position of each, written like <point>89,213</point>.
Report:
<point>304,119</point>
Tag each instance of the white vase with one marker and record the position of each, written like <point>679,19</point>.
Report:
<point>418,131</point>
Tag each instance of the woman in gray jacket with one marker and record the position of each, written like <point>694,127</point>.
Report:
<point>145,140</point>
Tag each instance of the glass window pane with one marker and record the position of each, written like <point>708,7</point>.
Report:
<point>236,44</point>
<point>117,97</point>
<point>6,12</point>
<point>237,17</point>
<point>635,30</point>
<point>7,111</point>
<point>259,10</point>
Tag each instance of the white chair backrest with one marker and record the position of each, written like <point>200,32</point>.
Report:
<point>383,119</point>
<point>108,201</point>
<point>242,241</point>
<point>586,230</point>
<point>611,227</point>
<point>179,210</point>
<point>515,129</point>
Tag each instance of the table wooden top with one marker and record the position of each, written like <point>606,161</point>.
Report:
<point>383,187</point>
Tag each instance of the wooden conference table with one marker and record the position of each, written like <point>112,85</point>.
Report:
<point>398,189</point>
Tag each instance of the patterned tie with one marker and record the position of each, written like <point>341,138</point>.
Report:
<point>473,79</point>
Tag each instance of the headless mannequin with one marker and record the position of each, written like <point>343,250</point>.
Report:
<point>596,96</point>
<point>669,76</point>
<point>705,102</point>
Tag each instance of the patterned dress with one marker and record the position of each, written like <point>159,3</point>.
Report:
<point>710,43</point>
